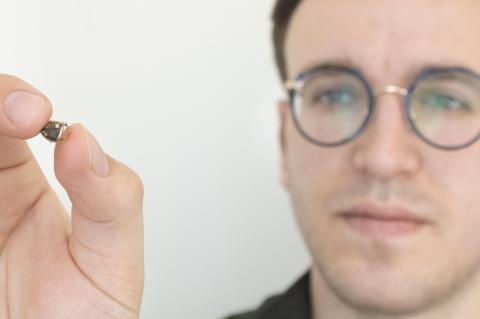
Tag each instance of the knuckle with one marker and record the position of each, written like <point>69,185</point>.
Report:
<point>130,184</point>
<point>136,184</point>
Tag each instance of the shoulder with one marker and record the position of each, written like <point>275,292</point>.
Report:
<point>293,303</point>
<point>267,306</point>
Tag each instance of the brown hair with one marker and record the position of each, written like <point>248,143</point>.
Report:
<point>282,13</point>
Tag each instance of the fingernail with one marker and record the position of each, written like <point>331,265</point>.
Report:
<point>21,107</point>
<point>97,159</point>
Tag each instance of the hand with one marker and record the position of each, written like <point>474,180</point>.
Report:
<point>50,266</point>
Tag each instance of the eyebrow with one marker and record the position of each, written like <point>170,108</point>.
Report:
<point>344,62</point>
<point>414,71</point>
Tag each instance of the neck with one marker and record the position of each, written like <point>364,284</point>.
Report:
<point>327,305</point>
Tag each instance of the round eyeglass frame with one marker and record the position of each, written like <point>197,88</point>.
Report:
<point>294,87</point>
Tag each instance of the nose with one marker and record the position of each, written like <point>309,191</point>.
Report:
<point>389,147</point>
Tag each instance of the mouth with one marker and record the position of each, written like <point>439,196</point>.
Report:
<point>381,221</point>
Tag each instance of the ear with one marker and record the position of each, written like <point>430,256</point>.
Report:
<point>282,108</point>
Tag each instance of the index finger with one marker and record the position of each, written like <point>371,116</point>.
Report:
<point>23,109</point>
<point>23,112</point>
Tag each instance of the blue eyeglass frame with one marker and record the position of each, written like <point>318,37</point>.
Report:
<point>293,89</point>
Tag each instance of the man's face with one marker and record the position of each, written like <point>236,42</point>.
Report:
<point>388,165</point>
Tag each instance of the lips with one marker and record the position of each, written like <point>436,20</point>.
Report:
<point>382,221</point>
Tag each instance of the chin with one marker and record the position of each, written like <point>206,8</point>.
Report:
<point>383,290</point>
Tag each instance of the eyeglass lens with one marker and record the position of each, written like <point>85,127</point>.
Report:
<point>444,107</point>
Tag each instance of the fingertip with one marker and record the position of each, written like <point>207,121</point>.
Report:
<point>97,160</point>
<point>102,191</point>
<point>24,113</point>
<point>71,155</point>
<point>80,156</point>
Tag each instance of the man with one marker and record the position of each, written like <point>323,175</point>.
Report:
<point>380,156</point>
<point>51,267</point>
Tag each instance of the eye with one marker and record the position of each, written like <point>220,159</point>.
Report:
<point>444,101</point>
<point>340,96</point>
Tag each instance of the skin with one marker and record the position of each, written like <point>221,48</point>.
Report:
<point>51,266</point>
<point>433,273</point>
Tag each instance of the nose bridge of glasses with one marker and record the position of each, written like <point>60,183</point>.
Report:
<point>390,89</point>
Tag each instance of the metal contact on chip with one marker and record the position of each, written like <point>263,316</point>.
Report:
<point>55,131</point>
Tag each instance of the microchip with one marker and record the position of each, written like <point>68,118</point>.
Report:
<point>55,131</point>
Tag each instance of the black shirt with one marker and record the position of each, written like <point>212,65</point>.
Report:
<point>292,304</point>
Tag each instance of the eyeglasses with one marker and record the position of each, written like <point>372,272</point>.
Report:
<point>332,105</point>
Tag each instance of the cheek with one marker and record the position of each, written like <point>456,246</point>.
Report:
<point>455,178</point>
<point>314,174</point>
<point>312,167</point>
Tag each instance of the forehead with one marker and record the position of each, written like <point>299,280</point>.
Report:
<point>387,40</point>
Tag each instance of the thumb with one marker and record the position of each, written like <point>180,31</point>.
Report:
<point>106,241</point>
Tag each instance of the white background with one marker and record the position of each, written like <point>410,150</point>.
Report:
<point>184,92</point>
